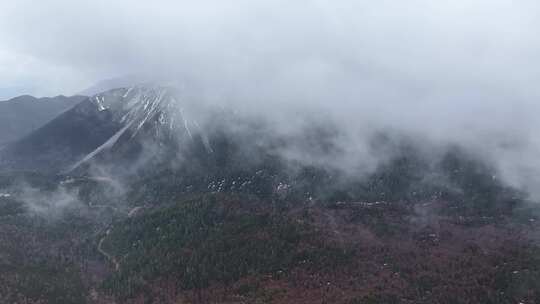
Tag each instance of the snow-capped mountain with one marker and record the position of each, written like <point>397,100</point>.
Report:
<point>120,124</point>
<point>152,120</point>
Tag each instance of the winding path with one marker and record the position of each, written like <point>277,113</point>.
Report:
<point>107,255</point>
<point>100,249</point>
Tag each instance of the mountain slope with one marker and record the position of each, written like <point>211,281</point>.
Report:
<point>61,141</point>
<point>21,115</point>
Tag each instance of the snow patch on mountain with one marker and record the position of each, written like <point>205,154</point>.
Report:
<point>99,102</point>
<point>107,145</point>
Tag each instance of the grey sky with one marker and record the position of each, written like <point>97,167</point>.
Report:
<point>461,71</point>
<point>59,46</point>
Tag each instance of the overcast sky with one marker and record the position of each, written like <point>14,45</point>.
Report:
<point>462,71</point>
<point>62,46</point>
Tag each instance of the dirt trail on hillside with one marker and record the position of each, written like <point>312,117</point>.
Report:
<point>100,249</point>
<point>107,255</point>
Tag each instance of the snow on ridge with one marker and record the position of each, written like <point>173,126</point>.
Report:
<point>99,102</point>
<point>187,129</point>
<point>127,92</point>
<point>139,104</point>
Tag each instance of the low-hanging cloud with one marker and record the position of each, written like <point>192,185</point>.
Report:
<point>449,72</point>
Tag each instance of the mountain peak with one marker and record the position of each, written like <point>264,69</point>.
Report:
<point>148,116</point>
